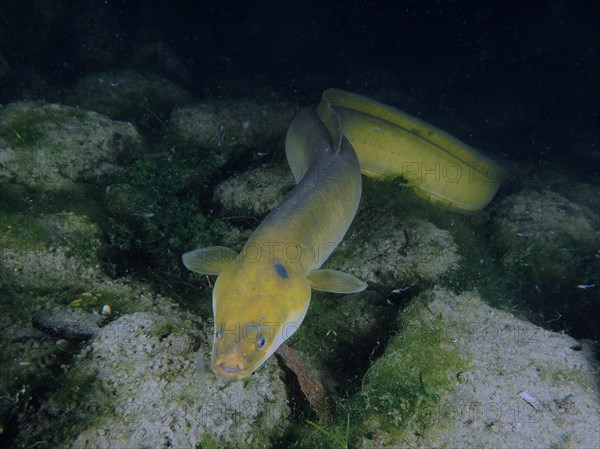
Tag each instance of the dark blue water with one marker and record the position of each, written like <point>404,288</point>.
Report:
<point>525,76</point>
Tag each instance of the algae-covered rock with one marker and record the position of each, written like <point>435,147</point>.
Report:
<point>41,251</point>
<point>128,95</point>
<point>548,246</point>
<point>587,195</point>
<point>400,253</point>
<point>462,373</point>
<point>224,125</point>
<point>546,236</point>
<point>44,323</point>
<point>255,192</point>
<point>142,381</point>
<point>51,146</point>
<point>54,295</point>
<point>70,323</point>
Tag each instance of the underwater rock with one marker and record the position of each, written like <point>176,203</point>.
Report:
<point>68,322</point>
<point>57,258</point>
<point>584,194</point>
<point>545,235</point>
<point>46,261</point>
<point>49,250</point>
<point>399,254</point>
<point>52,146</point>
<point>254,192</point>
<point>143,379</point>
<point>226,125</point>
<point>462,373</point>
<point>128,95</point>
<point>525,176</point>
<point>52,293</point>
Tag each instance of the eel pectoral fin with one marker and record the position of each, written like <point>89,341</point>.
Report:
<point>209,260</point>
<point>335,281</point>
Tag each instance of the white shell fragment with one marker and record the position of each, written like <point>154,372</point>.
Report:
<point>106,310</point>
<point>530,400</point>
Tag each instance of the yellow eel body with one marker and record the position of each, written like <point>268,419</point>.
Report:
<point>262,294</point>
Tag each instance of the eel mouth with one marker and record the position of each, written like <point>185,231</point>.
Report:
<point>230,362</point>
<point>232,370</point>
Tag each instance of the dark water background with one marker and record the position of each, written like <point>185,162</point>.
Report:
<point>523,74</point>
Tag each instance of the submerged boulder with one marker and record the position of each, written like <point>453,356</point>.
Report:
<point>546,236</point>
<point>255,192</point>
<point>128,95</point>
<point>225,126</point>
<point>143,379</point>
<point>462,373</point>
<point>50,250</point>
<point>549,254</point>
<point>401,253</point>
<point>52,146</point>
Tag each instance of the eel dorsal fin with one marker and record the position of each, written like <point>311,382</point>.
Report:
<point>332,122</point>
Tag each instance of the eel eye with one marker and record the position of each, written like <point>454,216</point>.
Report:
<point>261,342</point>
<point>218,333</point>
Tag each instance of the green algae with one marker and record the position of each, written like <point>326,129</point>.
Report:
<point>28,125</point>
<point>157,211</point>
<point>402,388</point>
<point>337,438</point>
<point>16,310</point>
<point>22,232</point>
<point>162,329</point>
<point>399,392</point>
<point>61,393</point>
<point>209,442</point>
